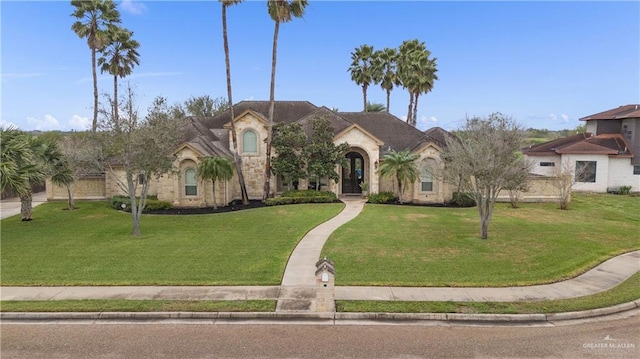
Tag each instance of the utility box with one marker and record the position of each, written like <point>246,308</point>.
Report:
<point>325,282</point>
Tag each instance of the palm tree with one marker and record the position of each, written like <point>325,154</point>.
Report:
<point>280,11</point>
<point>119,58</point>
<point>362,69</point>
<point>385,70</point>
<point>215,168</point>
<point>416,72</point>
<point>94,17</point>
<point>374,107</point>
<point>401,165</point>
<point>234,132</point>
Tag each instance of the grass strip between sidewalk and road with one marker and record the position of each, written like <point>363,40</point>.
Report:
<point>627,291</point>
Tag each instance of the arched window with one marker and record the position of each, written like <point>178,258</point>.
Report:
<point>249,142</point>
<point>190,182</point>
<point>426,175</point>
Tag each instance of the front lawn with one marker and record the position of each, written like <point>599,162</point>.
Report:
<point>93,246</point>
<point>537,243</point>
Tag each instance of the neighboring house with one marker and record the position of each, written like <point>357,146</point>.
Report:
<point>604,158</point>
<point>370,136</point>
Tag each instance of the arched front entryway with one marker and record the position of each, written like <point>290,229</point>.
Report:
<point>353,173</point>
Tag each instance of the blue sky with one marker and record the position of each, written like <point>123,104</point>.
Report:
<point>546,64</point>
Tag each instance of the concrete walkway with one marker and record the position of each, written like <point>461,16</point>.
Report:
<point>603,277</point>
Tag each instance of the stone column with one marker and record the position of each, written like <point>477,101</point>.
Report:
<point>325,282</point>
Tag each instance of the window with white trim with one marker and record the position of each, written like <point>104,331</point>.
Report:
<point>586,171</point>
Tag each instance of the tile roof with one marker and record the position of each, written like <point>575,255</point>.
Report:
<point>395,133</point>
<point>626,111</point>
<point>583,143</point>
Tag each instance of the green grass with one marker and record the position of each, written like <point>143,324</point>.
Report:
<point>627,291</point>
<point>138,306</point>
<point>534,244</point>
<point>93,246</point>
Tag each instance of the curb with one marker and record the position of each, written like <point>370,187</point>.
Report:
<point>324,318</point>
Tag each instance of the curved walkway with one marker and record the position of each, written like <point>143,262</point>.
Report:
<point>301,268</point>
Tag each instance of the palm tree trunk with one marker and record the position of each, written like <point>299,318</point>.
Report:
<point>25,205</point>
<point>414,117</point>
<point>410,110</point>
<point>364,97</point>
<point>94,125</point>
<point>234,132</point>
<point>70,204</point>
<point>115,101</point>
<point>272,104</point>
<point>388,99</point>
<point>213,187</point>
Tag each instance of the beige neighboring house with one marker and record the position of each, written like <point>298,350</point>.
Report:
<point>370,136</point>
<point>605,158</point>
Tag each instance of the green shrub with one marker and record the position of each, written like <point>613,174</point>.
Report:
<point>155,205</point>
<point>462,199</point>
<point>624,190</point>
<point>381,198</point>
<point>308,193</point>
<point>296,200</point>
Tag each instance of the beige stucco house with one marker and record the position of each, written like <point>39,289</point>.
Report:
<point>370,136</point>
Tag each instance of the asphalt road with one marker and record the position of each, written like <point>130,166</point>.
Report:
<point>604,339</point>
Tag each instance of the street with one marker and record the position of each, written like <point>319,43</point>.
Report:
<point>599,339</point>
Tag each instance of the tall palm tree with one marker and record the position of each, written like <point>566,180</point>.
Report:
<point>362,69</point>
<point>119,58</point>
<point>214,169</point>
<point>234,131</point>
<point>401,165</point>
<point>94,18</point>
<point>416,72</point>
<point>385,70</point>
<point>279,11</point>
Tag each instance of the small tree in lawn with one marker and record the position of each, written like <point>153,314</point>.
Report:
<point>288,141</point>
<point>141,148</point>
<point>563,181</point>
<point>401,166</point>
<point>214,169</point>
<point>81,155</point>
<point>321,154</point>
<point>517,181</point>
<point>483,159</point>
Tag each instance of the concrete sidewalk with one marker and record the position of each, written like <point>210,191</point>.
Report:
<point>11,206</point>
<point>603,277</point>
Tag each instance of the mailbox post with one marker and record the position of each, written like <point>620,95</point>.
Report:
<point>325,282</point>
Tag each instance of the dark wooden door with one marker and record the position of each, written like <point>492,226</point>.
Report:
<point>353,173</point>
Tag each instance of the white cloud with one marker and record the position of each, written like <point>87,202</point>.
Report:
<point>47,123</point>
<point>6,124</point>
<point>133,7</point>
<point>564,117</point>
<point>553,117</point>
<point>78,122</point>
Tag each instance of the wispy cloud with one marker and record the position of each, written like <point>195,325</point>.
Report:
<point>133,76</point>
<point>133,7</point>
<point>16,75</point>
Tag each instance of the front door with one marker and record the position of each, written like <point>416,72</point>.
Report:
<point>353,173</point>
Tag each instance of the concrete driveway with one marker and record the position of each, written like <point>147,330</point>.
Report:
<point>11,206</point>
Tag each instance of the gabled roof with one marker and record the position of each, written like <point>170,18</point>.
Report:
<point>205,140</point>
<point>583,143</point>
<point>338,122</point>
<point>396,134</point>
<point>622,112</point>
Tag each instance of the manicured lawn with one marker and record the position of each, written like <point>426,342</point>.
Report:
<point>628,291</point>
<point>537,243</point>
<point>93,246</point>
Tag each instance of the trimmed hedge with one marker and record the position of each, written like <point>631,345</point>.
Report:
<point>302,196</point>
<point>381,198</point>
<point>153,204</point>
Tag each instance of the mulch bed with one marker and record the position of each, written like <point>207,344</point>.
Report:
<point>234,206</point>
